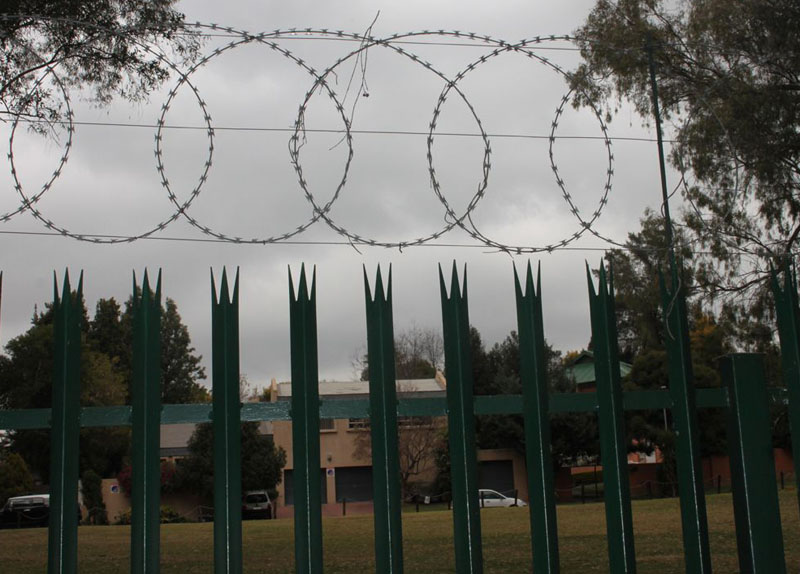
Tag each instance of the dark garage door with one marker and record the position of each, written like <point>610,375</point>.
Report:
<point>354,483</point>
<point>497,475</point>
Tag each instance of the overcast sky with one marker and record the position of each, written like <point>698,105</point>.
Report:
<point>110,184</point>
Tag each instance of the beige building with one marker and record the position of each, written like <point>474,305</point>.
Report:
<point>345,461</point>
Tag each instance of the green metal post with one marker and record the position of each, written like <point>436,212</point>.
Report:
<point>65,429</point>
<point>619,521</point>
<point>146,417</point>
<point>788,313</point>
<point>227,428</point>
<point>535,405</point>
<point>753,481</point>
<point>694,521</point>
<point>383,426</point>
<point>305,427</point>
<point>461,426</point>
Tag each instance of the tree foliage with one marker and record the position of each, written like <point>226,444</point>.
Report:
<point>15,478</point>
<point>94,45</point>
<point>262,461</point>
<point>729,75</point>
<point>497,372</point>
<point>26,380</point>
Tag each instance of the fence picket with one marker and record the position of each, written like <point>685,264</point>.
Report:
<point>461,426</point>
<point>227,428</point>
<point>383,426</point>
<point>305,427</point>
<point>745,396</point>
<point>65,429</point>
<point>533,376</point>
<point>753,480</point>
<point>613,443</point>
<point>787,311</point>
<point>146,433</point>
<point>694,521</point>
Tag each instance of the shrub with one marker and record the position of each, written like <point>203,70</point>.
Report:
<point>91,487</point>
<point>168,516</point>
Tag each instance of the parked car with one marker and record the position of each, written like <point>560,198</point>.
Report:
<point>22,511</point>
<point>28,510</point>
<point>491,498</point>
<point>256,504</point>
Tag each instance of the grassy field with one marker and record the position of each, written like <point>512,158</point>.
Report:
<point>428,547</point>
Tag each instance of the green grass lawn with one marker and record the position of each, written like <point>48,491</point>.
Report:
<point>428,545</point>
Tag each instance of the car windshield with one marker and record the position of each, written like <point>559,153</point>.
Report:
<point>256,498</point>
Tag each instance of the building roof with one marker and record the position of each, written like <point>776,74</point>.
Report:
<point>582,368</point>
<point>350,389</point>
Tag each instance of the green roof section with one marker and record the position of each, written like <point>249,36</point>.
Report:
<point>581,370</point>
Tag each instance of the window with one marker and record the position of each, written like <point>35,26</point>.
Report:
<point>327,425</point>
<point>358,424</point>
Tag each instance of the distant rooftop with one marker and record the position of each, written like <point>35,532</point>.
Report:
<point>582,368</point>
<point>347,389</point>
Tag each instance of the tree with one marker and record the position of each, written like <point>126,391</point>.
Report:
<point>26,382</point>
<point>95,45</point>
<point>15,478</point>
<point>497,372</point>
<point>728,71</point>
<point>418,354</point>
<point>180,368</point>
<point>640,323</point>
<point>262,462</point>
<point>106,355</point>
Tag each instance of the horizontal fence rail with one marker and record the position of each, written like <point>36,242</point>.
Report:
<point>744,396</point>
<point>359,408</point>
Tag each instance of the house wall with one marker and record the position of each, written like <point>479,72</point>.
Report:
<point>117,501</point>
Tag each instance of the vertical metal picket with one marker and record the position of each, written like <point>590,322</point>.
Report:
<point>787,311</point>
<point>535,398</point>
<point>227,428</point>
<point>383,427</point>
<point>619,520</point>
<point>305,426</point>
<point>146,419</point>
<point>755,495</point>
<point>461,426</point>
<point>694,521</point>
<point>62,547</point>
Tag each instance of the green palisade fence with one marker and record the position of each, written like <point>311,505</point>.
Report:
<point>745,395</point>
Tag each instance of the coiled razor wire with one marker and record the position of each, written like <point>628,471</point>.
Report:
<point>320,84</point>
<point>27,202</point>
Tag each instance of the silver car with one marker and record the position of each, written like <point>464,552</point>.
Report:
<point>256,504</point>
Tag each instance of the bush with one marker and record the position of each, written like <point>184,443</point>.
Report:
<point>91,487</point>
<point>168,516</point>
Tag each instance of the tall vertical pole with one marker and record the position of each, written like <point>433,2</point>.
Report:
<point>146,415</point>
<point>694,521</point>
<point>660,142</point>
